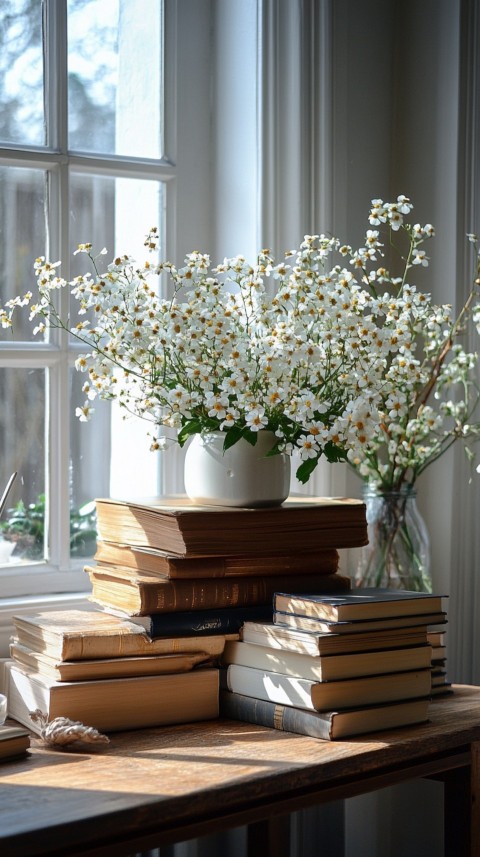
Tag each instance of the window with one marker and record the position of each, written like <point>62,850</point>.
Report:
<point>115,115</point>
<point>85,155</point>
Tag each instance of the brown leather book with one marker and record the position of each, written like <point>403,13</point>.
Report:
<point>173,567</point>
<point>142,594</point>
<point>180,528</point>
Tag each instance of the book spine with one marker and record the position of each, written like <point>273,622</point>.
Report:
<point>198,623</point>
<point>319,562</point>
<point>283,717</point>
<point>180,595</point>
<point>109,555</point>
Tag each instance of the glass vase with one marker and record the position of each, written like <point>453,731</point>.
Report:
<point>398,553</point>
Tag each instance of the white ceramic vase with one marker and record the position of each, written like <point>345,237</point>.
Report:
<point>243,475</point>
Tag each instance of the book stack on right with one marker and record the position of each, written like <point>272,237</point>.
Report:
<point>334,666</point>
<point>440,683</point>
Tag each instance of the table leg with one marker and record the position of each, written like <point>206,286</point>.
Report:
<point>475,800</point>
<point>457,813</point>
<point>269,838</point>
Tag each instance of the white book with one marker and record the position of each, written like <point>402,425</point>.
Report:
<point>329,695</point>
<point>328,667</point>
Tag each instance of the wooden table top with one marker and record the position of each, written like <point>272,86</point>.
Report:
<point>166,778</point>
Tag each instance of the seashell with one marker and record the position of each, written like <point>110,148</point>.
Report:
<point>62,731</point>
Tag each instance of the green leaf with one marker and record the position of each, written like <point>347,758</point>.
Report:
<point>333,452</point>
<point>306,469</point>
<point>250,436</point>
<point>192,427</point>
<point>232,436</point>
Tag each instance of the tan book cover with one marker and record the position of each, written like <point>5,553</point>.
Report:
<point>141,594</point>
<point>14,742</point>
<point>72,635</point>
<point>360,626</point>
<point>114,704</point>
<point>99,668</point>
<point>359,604</point>
<point>318,643</point>
<point>178,527</point>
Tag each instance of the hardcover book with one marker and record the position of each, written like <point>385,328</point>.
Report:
<point>180,528</point>
<point>72,635</point>
<point>328,695</point>
<point>436,638</point>
<point>114,704</point>
<point>174,567</point>
<point>318,643</point>
<point>226,621</point>
<point>14,742</point>
<point>141,594</point>
<point>99,668</point>
<point>439,654</point>
<point>309,623</point>
<point>327,725</point>
<point>329,667</point>
<point>359,604</point>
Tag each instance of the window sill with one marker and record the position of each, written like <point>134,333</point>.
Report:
<point>10,607</point>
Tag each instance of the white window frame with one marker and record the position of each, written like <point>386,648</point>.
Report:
<point>60,573</point>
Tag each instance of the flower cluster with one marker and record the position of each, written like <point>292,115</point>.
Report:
<point>336,359</point>
<point>430,396</point>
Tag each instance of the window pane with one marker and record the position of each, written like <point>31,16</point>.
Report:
<point>92,215</point>
<point>21,73</point>
<point>22,238</point>
<point>114,77</point>
<point>113,213</point>
<point>22,444</point>
<point>116,214</point>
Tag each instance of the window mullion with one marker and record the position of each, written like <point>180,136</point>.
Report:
<point>57,219</point>
<point>55,60</point>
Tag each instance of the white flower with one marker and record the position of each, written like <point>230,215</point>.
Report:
<point>419,257</point>
<point>308,447</point>
<point>395,219</point>
<point>256,419</point>
<point>84,413</point>
<point>336,359</point>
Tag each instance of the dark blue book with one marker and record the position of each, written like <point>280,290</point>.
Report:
<point>197,623</point>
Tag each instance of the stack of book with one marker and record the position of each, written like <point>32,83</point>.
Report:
<point>440,683</point>
<point>334,666</point>
<point>175,582</point>
<point>106,672</point>
<point>179,568</point>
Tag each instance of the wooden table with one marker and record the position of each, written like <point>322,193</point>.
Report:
<point>158,786</point>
